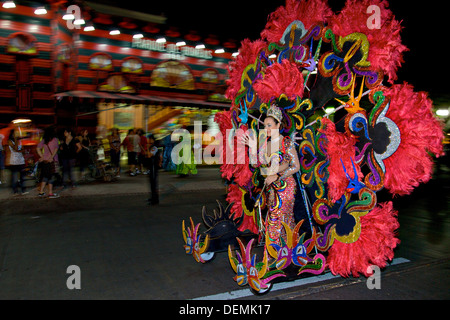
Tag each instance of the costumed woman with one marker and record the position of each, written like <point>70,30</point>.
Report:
<point>278,155</point>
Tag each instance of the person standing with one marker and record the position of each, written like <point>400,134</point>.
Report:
<point>84,156</point>
<point>143,146</point>
<point>47,150</point>
<point>114,142</point>
<point>68,151</point>
<point>16,162</point>
<point>129,143</point>
<point>2,158</point>
<point>136,149</point>
<point>154,163</point>
<point>280,183</point>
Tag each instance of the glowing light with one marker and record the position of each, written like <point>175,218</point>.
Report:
<point>114,32</point>
<point>180,44</point>
<point>68,16</point>
<point>18,121</point>
<point>89,28</point>
<point>200,46</point>
<point>40,11</point>
<point>219,51</point>
<point>9,4</point>
<point>138,36</point>
<point>161,40</point>
<point>442,112</point>
<point>329,110</point>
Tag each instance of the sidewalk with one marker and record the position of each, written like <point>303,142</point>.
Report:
<point>207,178</point>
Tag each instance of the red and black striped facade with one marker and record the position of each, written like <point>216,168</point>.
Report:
<point>31,82</point>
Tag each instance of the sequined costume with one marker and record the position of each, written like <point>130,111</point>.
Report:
<point>281,193</point>
<point>378,135</point>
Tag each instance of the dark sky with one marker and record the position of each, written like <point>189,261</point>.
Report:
<point>424,31</point>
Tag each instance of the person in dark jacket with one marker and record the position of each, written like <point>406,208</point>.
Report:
<point>68,150</point>
<point>154,161</point>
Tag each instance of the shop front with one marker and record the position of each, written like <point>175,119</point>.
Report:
<point>110,70</point>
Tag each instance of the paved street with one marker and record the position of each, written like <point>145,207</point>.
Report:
<point>126,249</point>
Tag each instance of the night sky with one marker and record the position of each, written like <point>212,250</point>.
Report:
<point>424,33</point>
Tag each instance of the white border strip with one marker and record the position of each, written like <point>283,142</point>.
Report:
<point>242,293</point>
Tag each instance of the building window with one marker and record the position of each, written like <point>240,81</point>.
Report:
<point>65,57</point>
<point>23,46</point>
<point>21,43</point>
<point>23,83</point>
<point>117,83</point>
<point>101,62</point>
<point>132,65</point>
<point>173,74</point>
<point>210,76</point>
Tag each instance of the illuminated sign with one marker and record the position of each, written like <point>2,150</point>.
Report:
<point>173,50</point>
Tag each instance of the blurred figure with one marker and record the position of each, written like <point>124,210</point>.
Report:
<point>131,143</point>
<point>2,157</point>
<point>114,143</point>
<point>185,169</point>
<point>68,150</point>
<point>103,143</point>
<point>16,162</point>
<point>154,160</point>
<point>47,150</point>
<point>168,164</point>
<point>143,146</point>
<point>83,154</point>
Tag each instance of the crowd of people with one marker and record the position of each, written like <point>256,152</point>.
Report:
<point>59,154</point>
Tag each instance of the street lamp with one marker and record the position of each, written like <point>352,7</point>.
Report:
<point>442,112</point>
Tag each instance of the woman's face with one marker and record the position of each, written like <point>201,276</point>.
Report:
<point>270,124</point>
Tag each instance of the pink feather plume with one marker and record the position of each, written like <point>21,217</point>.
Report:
<point>280,78</point>
<point>385,44</point>
<point>339,147</point>
<point>248,53</point>
<point>421,134</point>
<point>309,12</point>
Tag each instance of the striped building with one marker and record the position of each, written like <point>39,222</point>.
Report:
<point>81,64</point>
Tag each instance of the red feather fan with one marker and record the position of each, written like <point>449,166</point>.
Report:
<point>280,78</point>
<point>339,147</point>
<point>375,245</point>
<point>238,167</point>
<point>420,132</point>
<point>386,48</point>
<point>248,53</point>
<point>235,196</point>
<point>309,12</point>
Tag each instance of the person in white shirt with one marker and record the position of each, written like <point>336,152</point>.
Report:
<point>16,162</point>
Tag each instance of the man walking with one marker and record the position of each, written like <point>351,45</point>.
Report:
<point>154,163</point>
